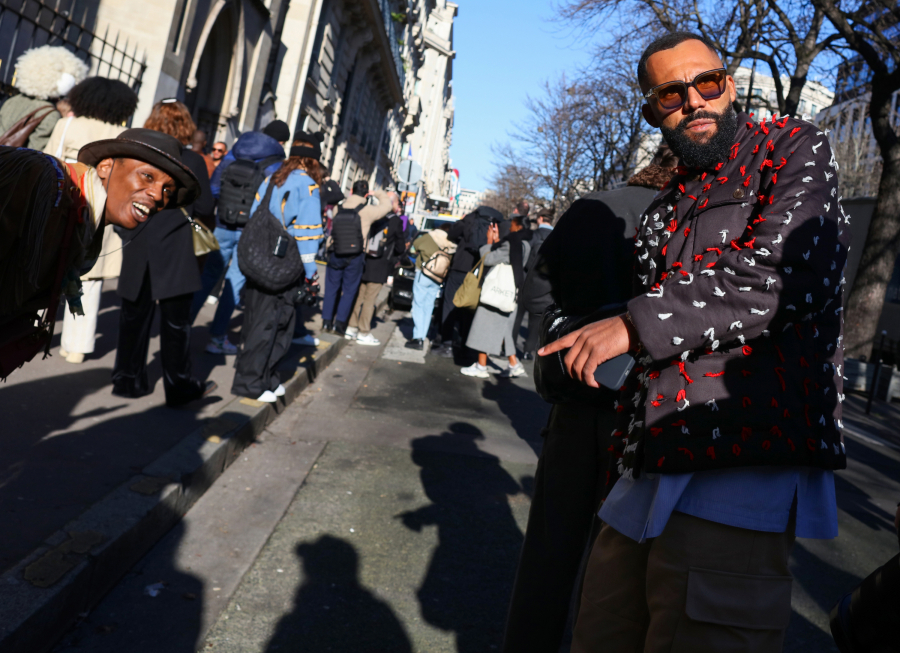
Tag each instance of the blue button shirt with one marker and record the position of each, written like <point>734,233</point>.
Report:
<point>755,498</point>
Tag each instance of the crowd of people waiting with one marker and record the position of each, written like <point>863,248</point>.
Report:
<point>65,114</point>
<point>718,269</point>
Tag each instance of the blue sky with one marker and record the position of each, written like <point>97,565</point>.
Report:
<point>504,50</point>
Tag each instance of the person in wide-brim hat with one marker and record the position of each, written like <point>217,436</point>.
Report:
<point>150,146</point>
<point>122,181</point>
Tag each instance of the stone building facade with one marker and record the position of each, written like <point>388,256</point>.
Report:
<point>373,76</point>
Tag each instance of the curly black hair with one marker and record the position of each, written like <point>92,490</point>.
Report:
<point>108,100</point>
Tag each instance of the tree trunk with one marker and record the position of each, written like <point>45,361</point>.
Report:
<point>882,244</point>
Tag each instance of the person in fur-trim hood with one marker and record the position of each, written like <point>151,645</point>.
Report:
<point>43,75</point>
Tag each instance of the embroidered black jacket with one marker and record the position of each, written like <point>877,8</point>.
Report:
<point>739,310</point>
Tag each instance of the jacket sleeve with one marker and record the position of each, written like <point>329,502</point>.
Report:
<point>786,266</point>
<point>496,256</point>
<point>306,229</point>
<point>370,213</point>
<point>41,134</point>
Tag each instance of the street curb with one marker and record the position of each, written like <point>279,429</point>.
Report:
<point>44,594</point>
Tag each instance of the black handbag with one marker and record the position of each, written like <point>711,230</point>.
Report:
<point>551,379</point>
<point>267,253</point>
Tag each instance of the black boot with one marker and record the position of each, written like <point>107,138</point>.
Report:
<point>327,326</point>
<point>340,328</point>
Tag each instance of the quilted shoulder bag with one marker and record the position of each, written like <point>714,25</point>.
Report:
<point>267,253</point>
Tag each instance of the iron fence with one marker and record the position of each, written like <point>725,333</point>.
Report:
<point>26,24</point>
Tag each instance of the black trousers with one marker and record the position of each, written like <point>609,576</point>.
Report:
<point>265,337</point>
<point>562,524</point>
<point>129,375</point>
<point>534,329</point>
<point>451,315</point>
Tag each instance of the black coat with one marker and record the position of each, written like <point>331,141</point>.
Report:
<point>164,245</point>
<point>587,263</point>
<point>378,270</point>
<point>588,258</point>
<point>534,295</point>
<point>462,233</point>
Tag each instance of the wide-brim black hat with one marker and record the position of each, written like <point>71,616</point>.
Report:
<point>153,147</point>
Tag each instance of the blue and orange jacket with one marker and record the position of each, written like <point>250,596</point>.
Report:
<point>297,200</point>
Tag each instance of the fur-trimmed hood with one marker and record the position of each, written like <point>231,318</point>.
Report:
<point>48,72</point>
<point>652,176</point>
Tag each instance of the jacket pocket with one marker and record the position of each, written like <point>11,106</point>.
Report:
<point>739,600</point>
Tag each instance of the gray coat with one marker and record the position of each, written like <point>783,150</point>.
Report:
<point>19,106</point>
<point>490,327</point>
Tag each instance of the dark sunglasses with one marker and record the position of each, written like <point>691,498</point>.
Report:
<point>218,149</point>
<point>673,95</point>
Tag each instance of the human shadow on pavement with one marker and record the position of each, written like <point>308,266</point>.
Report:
<point>332,611</point>
<point>526,411</point>
<point>468,583</point>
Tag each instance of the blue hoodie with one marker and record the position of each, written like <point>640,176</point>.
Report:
<point>252,146</point>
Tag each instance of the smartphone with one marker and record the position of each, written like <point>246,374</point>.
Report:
<point>612,373</point>
<point>281,247</point>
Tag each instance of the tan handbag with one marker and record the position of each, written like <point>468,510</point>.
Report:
<point>204,240</point>
<point>469,292</point>
<point>18,134</point>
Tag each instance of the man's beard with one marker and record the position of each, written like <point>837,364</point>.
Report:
<point>708,154</point>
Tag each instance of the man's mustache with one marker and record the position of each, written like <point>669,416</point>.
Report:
<point>699,115</point>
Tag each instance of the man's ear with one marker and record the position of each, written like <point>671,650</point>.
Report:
<point>104,170</point>
<point>649,116</point>
<point>732,90</point>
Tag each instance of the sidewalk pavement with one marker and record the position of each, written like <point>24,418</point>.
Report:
<point>90,481</point>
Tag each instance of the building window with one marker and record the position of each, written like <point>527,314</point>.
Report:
<point>814,110</point>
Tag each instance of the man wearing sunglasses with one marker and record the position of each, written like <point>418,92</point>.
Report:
<point>219,150</point>
<point>729,425</point>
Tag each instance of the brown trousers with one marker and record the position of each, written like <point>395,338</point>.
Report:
<point>700,587</point>
<point>364,309</point>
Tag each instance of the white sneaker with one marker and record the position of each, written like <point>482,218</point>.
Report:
<point>368,339</point>
<point>510,372</point>
<point>221,345</point>
<point>476,370</point>
<point>279,391</point>
<point>351,333</point>
<point>306,341</point>
<point>268,397</point>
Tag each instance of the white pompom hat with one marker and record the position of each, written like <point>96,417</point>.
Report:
<point>48,72</point>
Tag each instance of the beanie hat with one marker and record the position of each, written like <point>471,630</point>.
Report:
<point>278,130</point>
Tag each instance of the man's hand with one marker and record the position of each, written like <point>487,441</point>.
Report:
<point>593,345</point>
<point>493,234</point>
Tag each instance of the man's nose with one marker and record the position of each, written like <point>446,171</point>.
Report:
<point>156,192</point>
<point>694,100</point>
